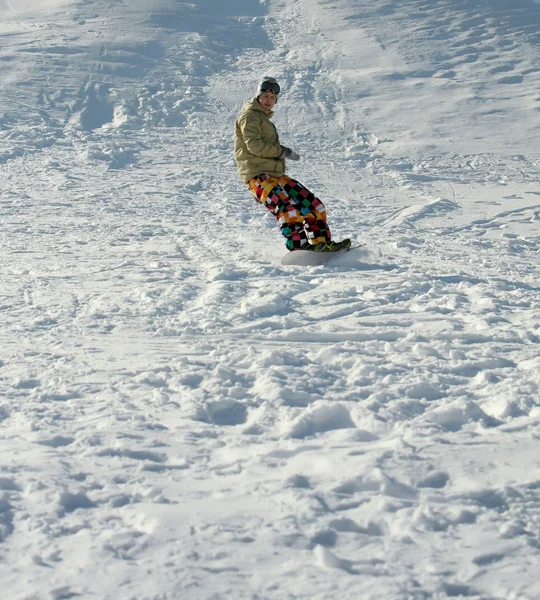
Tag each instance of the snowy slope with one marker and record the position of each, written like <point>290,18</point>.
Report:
<point>181,416</point>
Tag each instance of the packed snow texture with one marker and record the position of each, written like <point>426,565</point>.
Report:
<point>182,417</point>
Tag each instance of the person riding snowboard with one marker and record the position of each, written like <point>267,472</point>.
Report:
<point>261,164</point>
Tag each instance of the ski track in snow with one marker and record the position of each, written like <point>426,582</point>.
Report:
<point>183,417</point>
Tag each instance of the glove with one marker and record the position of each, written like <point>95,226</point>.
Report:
<point>288,153</point>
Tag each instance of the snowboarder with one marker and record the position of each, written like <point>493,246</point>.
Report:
<point>261,164</point>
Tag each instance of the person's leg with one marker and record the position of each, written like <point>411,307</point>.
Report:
<point>311,209</point>
<point>270,191</point>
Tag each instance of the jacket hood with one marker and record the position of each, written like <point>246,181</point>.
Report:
<point>254,105</point>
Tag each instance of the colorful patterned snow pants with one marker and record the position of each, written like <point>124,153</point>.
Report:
<point>301,216</point>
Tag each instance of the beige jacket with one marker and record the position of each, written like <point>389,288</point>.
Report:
<point>256,146</point>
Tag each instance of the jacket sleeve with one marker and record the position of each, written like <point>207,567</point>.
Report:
<point>250,127</point>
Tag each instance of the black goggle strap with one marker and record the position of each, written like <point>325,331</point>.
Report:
<point>270,86</point>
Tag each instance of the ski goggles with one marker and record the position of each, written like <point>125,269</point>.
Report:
<point>270,86</point>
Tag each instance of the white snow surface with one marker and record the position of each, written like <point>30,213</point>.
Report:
<point>184,418</point>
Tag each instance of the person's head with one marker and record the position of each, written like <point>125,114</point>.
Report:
<point>268,92</point>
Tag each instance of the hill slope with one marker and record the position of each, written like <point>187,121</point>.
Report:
<point>183,417</point>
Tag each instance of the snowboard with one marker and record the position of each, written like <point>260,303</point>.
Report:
<point>308,258</point>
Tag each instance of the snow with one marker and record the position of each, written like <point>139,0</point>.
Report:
<point>181,416</point>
